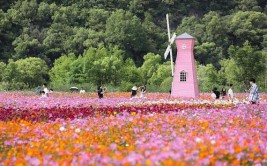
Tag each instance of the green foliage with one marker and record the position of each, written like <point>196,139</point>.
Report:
<point>2,68</point>
<point>248,5</point>
<point>121,43</point>
<point>162,73</point>
<point>208,53</point>
<point>166,84</point>
<point>33,71</point>
<point>131,75</point>
<point>126,86</point>
<point>207,77</point>
<point>229,73</point>
<point>248,26</point>
<point>60,74</point>
<point>251,63</point>
<point>125,30</point>
<point>25,73</point>
<point>103,65</point>
<point>11,74</point>
<point>150,66</point>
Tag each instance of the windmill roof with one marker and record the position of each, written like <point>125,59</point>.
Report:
<point>185,36</point>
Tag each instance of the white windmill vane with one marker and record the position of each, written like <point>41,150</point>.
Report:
<point>171,40</point>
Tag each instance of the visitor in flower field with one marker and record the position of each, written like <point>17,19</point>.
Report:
<point>46,91</point>
<point>143,91</point>
<point>230,92</point>
<point>42,93</point>
<point>253,92</point>
<point>134,91</point>
<point>215,93</point>
<point>223,92</point>
<point>82,90</point>
<point>100,92</point>
<point>39,89</point>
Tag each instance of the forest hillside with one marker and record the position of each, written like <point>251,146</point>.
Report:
<point>120,43</point>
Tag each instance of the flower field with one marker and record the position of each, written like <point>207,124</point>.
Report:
<point>74,129</point>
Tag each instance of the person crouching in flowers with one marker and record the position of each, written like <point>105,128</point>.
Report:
<point>45,90</point>
<point>223,92</point>
<point>134,91</point>
<point>142,91</point>
<point>253,92</point>
<point>215,93</point>
<point>82,90</point>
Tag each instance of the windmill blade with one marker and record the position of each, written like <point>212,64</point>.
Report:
<point>167,51</point>
<point>168,26</point>
<point>171,62</point>
<point>172,39</point>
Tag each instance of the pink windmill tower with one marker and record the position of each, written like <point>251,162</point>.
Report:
<point>184,82</point>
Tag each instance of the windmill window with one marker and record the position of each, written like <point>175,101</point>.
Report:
<point>182,76</point>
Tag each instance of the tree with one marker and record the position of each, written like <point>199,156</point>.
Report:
<point>7,35</point>
<point>131,74</point>
<point>2,68</point>
<point>155,35</point>
<point>247,26</point>
<point>207,77</point>
<point>125,30</point>
<point>76,73</point>
<point>103,65</point>
<point>60,73</point>
<point>96,19</point>
<point>11,73</point>
<point>150,66</point>
<point>33,71</point>
<point>208,53</point>
<point>12,77</point>
<point>250,62</point>
<point>214,29</point>
<point>248,5</point>
<point>229,72</point>
<point>28,44</point>
<point>162,73</point>
<point>193,26</point>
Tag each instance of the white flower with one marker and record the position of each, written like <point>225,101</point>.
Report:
<point>212,142</point>
<point>77,130</point>
<point>198,140</point>
<point>62,128</point>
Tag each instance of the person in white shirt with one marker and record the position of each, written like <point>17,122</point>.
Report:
<point>46,91</point>
<point>231,93</point>
<point>143,91</point>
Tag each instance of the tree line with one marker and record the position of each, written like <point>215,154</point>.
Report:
<point>121,43</point>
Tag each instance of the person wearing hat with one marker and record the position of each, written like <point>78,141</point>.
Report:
<point>134,91</point>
